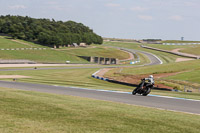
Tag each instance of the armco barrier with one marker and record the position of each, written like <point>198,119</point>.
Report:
<point>123,83</point>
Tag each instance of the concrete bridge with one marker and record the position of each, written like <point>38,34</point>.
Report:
<point>101,60</point>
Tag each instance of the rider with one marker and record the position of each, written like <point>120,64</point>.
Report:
<point>150,81</point>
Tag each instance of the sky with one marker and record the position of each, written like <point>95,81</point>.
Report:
<point>128,19</point>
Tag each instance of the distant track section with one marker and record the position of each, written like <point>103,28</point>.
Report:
<point>153,58</point>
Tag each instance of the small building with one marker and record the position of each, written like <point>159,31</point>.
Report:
<point>152,41</point>
<point>74,45</point>
<point>83,45</point>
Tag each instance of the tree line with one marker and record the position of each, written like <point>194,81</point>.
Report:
<point>48,32</point>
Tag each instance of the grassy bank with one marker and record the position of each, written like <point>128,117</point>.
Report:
<point>41,56</point>
<point>190,49</point>
<point>24,111</point>
<point>54,56</point>
<point>7,42</point>
<point>97,50</point>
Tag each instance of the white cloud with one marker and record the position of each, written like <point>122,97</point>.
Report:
<point>145,17</point>
<point>138,8</point>
<point>16,7</point>
<point>112,5</point>
<point>176,18</point>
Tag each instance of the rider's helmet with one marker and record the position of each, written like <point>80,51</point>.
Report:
<point>150,76</point>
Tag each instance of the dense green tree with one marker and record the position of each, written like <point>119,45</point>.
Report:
<point>48,32</point>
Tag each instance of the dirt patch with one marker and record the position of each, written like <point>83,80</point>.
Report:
<point>13,76</point>
<point>136,79</point>
<point>176,50</point>
<point>183,59</point>
<point>103,71</point>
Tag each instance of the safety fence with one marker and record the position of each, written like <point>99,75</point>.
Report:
<point>181,43</point>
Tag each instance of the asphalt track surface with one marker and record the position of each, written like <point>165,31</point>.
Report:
<point>180,105</point>
<point>174,104</point>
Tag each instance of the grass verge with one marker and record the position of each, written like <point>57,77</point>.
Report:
<point>25,111</point>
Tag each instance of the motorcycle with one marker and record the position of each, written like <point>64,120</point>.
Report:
<point>143,88</point>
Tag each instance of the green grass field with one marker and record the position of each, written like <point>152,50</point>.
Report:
<point>195,50</point>
<point>100,51</point>
<point>25,111</point>
<point>6,42</point>
<point>43,56</point>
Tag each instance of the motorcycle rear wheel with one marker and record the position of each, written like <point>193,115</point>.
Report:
<point>134,92</point>
<point>147,92</point>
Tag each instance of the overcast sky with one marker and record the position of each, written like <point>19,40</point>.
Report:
<point>134,19</point>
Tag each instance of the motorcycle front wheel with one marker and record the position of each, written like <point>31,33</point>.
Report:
<point>134,92</point>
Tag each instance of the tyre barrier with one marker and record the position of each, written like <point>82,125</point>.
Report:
<point>101,78</point>
<point>123,83</point>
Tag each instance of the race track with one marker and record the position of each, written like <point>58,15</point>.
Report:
<point>174,104</point>
<point>180,105</point>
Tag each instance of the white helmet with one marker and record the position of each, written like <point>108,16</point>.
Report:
<point>150,76</point>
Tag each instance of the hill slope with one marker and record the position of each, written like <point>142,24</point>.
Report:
<point>26,50</point>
